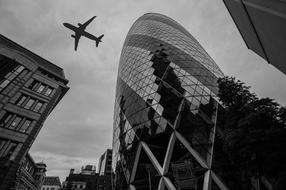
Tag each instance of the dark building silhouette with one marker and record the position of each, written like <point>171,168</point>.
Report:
<point>84,181</point>
<point>105,161</point>
<point>30,175</point>
<point>165,110</point>
<point>30,88</point>
<point>262,24</point>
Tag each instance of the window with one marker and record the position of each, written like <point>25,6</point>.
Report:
<point>48,91</point>
<point>29,104</point>
<point>10,149</point>
<point>10,76</point>
<point>4,84</point>
<point>19,70</point>
<point>41,88</point>
<point>21,100</point>
<point>6,148</point>
<point>25,127</point>
<point>38,106</point>
<point>5,119</point>
<point>2,145</point>
<point>33,85</point>
<point>15,122</point>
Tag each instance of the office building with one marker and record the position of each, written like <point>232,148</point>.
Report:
<point>30,88</point>
<point>262,25</point>
<point>51,183</point>
<point>105,161</point>
<point>166,111</point>
<point>30,175</point>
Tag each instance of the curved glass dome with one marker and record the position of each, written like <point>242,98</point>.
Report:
<point>165,109</point>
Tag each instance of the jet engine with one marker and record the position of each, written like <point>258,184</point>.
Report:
<point>79,24</point>
<point>73,36</point>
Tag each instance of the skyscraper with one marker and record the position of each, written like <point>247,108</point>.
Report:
<point>165,110</point>
<point>104,165</point>
<point>30,88</point>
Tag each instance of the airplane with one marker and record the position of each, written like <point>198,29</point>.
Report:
<point>80,31</point>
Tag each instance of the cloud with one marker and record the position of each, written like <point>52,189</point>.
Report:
<point>79,130</point>
<point>60,164</point>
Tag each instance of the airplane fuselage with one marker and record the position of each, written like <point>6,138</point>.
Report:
<point>80,31</point>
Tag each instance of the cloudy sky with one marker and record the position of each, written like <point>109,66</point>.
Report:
<point>79,130</point>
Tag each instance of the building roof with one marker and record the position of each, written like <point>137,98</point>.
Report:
<point>52,180</point>
<point>54,69</point>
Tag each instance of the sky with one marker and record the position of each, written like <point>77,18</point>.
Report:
<point>79,129</point>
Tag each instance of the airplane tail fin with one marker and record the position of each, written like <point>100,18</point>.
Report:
<point>98,40</point>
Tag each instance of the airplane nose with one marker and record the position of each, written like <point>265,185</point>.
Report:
<point>65,24</point>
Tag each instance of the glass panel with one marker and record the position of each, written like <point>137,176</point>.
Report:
<point>38,106</point>
<point>25,126</point>
<point>21,100</point>
<point>33,85</point>
<point>4,84</point>
<point>5,119</point>
<point>146,175</point>
<point>185,172</point>
<point>21,68</point>
<point>9,151</point>
<point>48,91</point>
<point>29,104</point>
<point>15,122</point>
<point>41,88</point>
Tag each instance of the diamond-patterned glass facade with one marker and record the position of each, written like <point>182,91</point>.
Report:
<point>165,109</point>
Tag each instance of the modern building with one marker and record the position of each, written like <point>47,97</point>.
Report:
<point>166,125</point>
<point>83,181</point>
<point>30,88</point>
<point>30,175</point>
<point>51,183</point>
<point>262,25</point>
<point>105,162</point>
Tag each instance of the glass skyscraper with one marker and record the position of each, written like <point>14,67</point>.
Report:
<point>166,109</point>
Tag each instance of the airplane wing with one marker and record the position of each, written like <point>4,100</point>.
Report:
<point>76,39</point>
<point>87,22</point>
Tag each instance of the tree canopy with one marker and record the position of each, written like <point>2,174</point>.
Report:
<point>254,130</point>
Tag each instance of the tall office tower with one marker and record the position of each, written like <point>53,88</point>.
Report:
<point>105,161</point>
<point>30,88</point>
<point>262,25</point>
<point>165,110</point>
